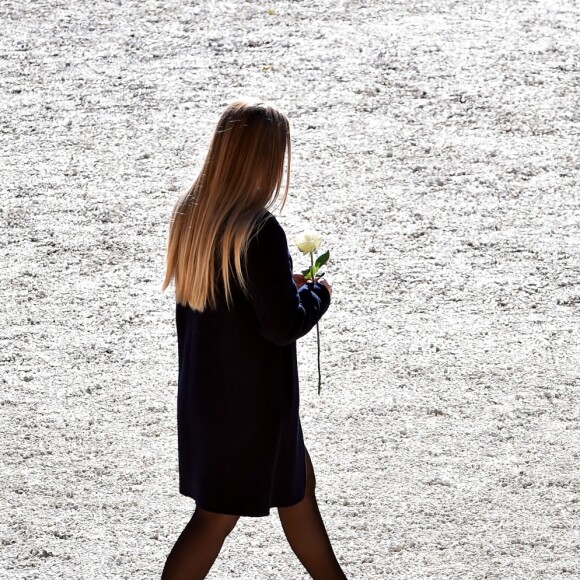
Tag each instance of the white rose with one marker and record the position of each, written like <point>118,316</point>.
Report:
<point>308,242</point>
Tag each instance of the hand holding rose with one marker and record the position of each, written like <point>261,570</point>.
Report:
<point>326,283</point>
<point>300,280</point>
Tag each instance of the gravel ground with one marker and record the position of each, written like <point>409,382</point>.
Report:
<point>435,146</point>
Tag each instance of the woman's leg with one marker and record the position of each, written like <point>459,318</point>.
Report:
<point>305,531</point>
<point>198,546</point>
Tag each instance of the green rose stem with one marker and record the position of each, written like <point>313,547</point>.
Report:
<point>308,242</point>
<point>318,340</point>
<point>317,328</point>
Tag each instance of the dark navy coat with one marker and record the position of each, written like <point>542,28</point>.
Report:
<point>240,443</point>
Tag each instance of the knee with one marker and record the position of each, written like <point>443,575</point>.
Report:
<point>219,524</point>
<point>311,484</point>
<point>228,524</point>
<point>310,478</point>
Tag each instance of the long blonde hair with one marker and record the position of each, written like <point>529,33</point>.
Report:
<point>239,181</point>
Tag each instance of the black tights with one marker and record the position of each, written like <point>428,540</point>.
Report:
<point>200,542</point>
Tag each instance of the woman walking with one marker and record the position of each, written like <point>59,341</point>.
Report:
<point>239,312</point>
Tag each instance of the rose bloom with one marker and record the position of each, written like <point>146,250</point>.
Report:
<point>308,242</point>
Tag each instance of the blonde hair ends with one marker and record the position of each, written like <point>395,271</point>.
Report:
<point>240,180</point>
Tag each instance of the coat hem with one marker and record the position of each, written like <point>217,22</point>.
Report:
<point>239,513</point>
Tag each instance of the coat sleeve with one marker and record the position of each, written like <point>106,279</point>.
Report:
<point>284,313</point>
